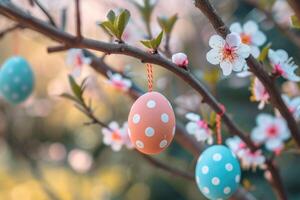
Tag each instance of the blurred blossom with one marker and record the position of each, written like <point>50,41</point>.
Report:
<point>248,159</point>
<point>119,82</point>
<point>76,59</point>
<point>229,53</point>
<point>57,152</point>
<point>162,82</point>
<point>250,35</point>
<point>187,103</point>
<point>199,128</point>
<point>271,131</point>
<point>80,160</point>
<point>290,88</point>
<point>282,12</point>
<point>38,107</point>
<point>259,93</point>
<point>116,136</point>
<point>293,105</point>
<point>180,59</point>
<point>283,65</point>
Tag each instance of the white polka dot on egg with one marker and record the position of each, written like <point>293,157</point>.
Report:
<point>136,118</point>
<point>206,190</point>
<point>149,131</point>
<point>229,167</point>
<point>227,190</point>
<point>163,143</point>
<point>217,157</point>
<point>139,144</point>
<point>215,181</point>
<point>205,169</point>
<point>164,118</point>
<point>151,104</point>
<point>237,178</point>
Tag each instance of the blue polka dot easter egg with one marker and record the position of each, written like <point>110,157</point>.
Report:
<point>218,173</point>
<point>16,80</point>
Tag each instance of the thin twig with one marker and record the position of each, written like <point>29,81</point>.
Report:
<point>10,29</point>
<point>78,20</point>
<point>44,10</point>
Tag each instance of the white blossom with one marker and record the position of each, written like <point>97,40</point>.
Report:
<point>259,93</point>
<point>76,60</point>
<point>229,53</point>
<point>199,128</point>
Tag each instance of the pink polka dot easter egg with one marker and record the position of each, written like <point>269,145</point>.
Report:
<point>151,123</point>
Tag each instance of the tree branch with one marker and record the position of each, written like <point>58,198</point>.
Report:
<point>295,5</point>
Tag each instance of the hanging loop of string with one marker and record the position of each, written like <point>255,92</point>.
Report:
<point>150,76</point>
<point>219,124</point>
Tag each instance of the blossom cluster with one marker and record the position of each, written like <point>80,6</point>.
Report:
<point>116,137</point>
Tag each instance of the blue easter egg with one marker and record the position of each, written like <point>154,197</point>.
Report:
<point>218,173</point>
<point>16,80</point>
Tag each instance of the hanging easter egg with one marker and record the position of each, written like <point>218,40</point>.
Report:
<point>218,172</point>
<point>151,123</point>
<point>16,80</point>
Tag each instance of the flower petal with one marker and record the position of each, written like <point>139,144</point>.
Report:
<point>238,64</point>
<point>213,56</point>
<point>216,42</point>
<point>254,51</point>
<point>257,135</point>
<point>192,117</point>
<point>236,27</point>
<point>258,38</point>
<point>226,67</point>
<point>233,40</point>
<point>274,144</point>
<point>250,27</point>
<point>244,50</point>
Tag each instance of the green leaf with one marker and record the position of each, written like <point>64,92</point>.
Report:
<point>108,27</point>
<point>154,43</point>
<point>167,24</point>
<point>158,39</point>
<point>145,10</point>
<point>147,43</point>
<point>121,22</point>
<point>70,97</point>
<point>264,53</point>
<point>76,89</point>
<point>111,16</point>
<point>295,21</point>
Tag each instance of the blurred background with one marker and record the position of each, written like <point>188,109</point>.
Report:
<point>46,151</point>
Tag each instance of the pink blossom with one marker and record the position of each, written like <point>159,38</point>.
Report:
<point>119,82</point>
<point>180,59</point>
<point>80,160</point>
<point>271,131</point>
<point>199,128</point>
<point>116,136</point>
<point>259,93</point>
<point>248,159</point>
<point>76,59</point>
